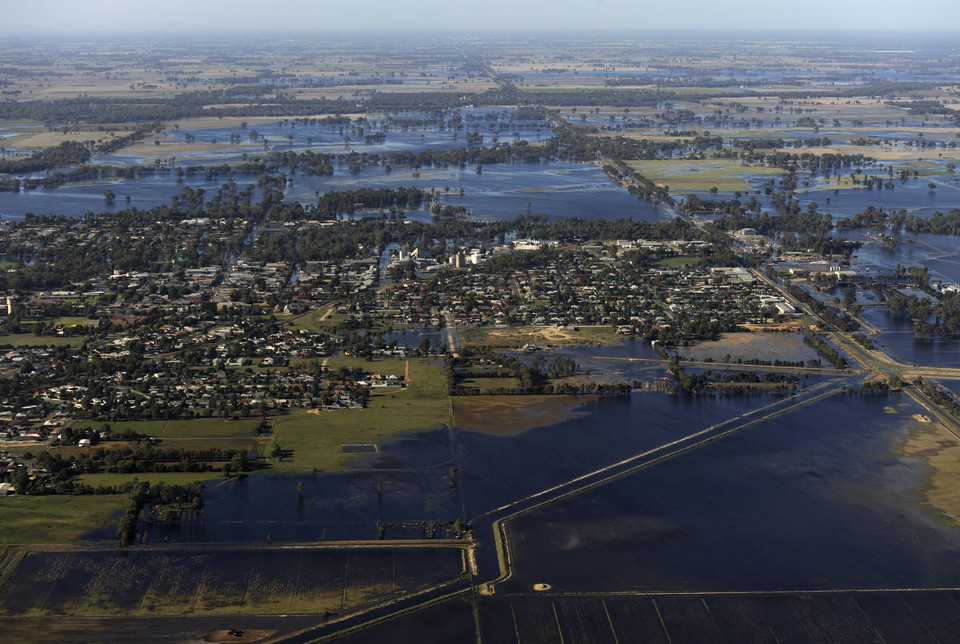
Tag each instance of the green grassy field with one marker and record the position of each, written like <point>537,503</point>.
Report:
<point>678,261</point>
<point>31,340</point>
<point>486,385</point>
<point>169,478</point>
<point>55,519</point>
<point>182,429</point>
<point>382,366</point>
<point>313,439</point>
<point>312,321</point>
<point>23,449</point>
<point>680,175</point>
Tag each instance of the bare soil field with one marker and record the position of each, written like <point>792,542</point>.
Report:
<point>511,415</point>
<point>932,443</point>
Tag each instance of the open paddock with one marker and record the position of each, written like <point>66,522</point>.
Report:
<point>784,346</point>
<point>55,519</point>
<point>18,340</point>
<point>185,428</point>
<point>167,478</point>
<point>312,439</point>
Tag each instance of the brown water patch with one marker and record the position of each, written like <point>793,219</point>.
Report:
<point>511,415</point>
<point>941,451</point>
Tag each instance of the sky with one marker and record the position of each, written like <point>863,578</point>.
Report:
<point>419,16</point>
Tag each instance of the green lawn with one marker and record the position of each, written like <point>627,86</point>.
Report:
<point>181,429</point>
<point>31,340</point>
<point>312,321</point>
<point>55,519</point>
<point>382,366</point>
<point>312,440</point>
<point>68,321</point>
<point>486,385</point>
<point>678,261</point>
<point>170,478</point>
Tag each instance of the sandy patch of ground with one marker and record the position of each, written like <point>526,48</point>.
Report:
<point>512,415</point>
<point>548,334</point>
<point>941,451</point>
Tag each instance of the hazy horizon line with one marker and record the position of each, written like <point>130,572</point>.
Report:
<point>178,29</point>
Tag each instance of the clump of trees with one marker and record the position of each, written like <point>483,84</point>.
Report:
<point>824,349</point>
<point>167,504</point>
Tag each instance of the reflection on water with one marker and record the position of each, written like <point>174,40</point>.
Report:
<point>818,498</point>
<point>558,190</point>
<point>899,341</point>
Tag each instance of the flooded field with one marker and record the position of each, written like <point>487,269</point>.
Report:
<point>684,619</point>
<point>791,503</point>
<point>223,582</point>
<point>503,191</point>
<point>408,503</point>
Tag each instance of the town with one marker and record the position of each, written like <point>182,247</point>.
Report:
<point>423,338</point>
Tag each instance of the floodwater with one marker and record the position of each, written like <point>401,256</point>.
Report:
<point>405,484</point>
<point>818,498</point>
<point>503,191</point>
<point>938,253</point>
<point>898,339</point>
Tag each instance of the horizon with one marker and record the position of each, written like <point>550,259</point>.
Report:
<point>499,16</point>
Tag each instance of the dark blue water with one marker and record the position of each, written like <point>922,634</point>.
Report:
<point>940,254</point>
<point>601,433</point>
<point>899,341</point>
<point>817,498</point>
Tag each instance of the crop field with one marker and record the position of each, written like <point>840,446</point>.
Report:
<point>263,582</point>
